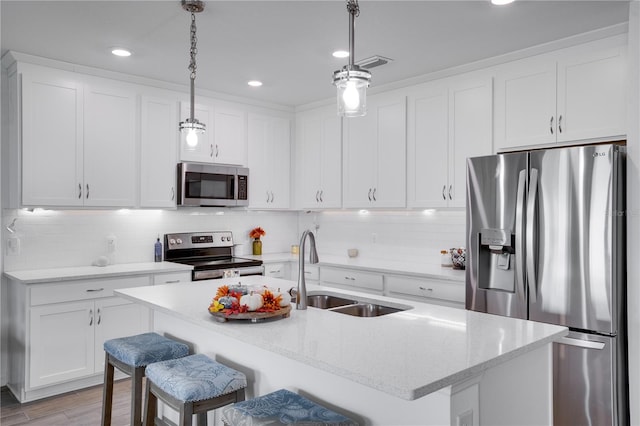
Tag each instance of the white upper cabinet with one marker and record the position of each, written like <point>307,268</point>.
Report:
<point>319,159</point>
<point>230,135</point>
<point>158,151</point>
<point>225,137</point>
<point>78,140</point>
<point>109,145</point>
<point>269,161</point>
<point>52,138</point>
<point>375,154</point>
<point>563,97</point>
<point>448,121</point>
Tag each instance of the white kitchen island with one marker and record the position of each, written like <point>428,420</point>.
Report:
<point>428,365</point>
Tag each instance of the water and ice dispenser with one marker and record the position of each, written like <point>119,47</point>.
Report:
<point>496,262</point>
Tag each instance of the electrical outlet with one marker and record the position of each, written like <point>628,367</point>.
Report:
<point>465,419</point>
<point>111,244</point>
<point>13,246</point>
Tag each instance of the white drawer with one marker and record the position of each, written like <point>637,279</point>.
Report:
<point>172,278</point>
<point>275,270</point>
<point>42,294</point>
<point>424,287</point>
<point>311,272</point>
<point>350,277</point>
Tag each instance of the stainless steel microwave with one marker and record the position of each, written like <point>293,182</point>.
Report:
<point>212,185</point>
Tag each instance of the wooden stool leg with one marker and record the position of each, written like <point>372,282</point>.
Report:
<point>136,396</point>
<point>107,391</point>
<point>151,406</point>
<point>186,414</point>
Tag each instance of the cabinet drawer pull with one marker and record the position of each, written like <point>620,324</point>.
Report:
<point>307,273</point>
<point>276,272</point>
<point>79,191</point>
<point>425,289</point>
<point>273,197</point>
<point>374,194</point>
<point>349,278</point>
<point>551,125</point>
<point>321,193</point>
<point>211,153</point>
<point>99,317</point>
<point>369,194</point>
<point>444,188</point>
<point>92,290</point>
<point>317,196</point>
<point>560,124</point>
<point>90,316</point>
<point>217,150</point>
<point>87,191</point>
<point>173,193</point>
<point>172,282</point>
<point>450,189</point>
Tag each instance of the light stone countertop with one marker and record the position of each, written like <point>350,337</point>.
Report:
<point>408,267</point>
<point>35,276</point>
<point>407,354</point>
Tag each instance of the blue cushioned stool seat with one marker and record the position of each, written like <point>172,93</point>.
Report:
<point>144,349</point>
<point>282,407</point>
<point>191,385</point>
<point>131,355</point>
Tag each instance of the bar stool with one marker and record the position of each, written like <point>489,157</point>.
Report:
<point>191,385</point>
<point>131,355</point>
<point>282,407</point>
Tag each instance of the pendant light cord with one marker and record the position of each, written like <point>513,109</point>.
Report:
<point>192,64</point>
<point>354,11</point>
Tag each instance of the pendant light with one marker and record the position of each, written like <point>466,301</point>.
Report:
<point>191,126</point>
<point>352,81</point>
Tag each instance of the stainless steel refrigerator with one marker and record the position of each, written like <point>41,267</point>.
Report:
<point>546,242</point>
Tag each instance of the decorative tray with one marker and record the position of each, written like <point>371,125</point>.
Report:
<point>222,316</point>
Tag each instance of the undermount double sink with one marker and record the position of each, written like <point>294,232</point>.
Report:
<point>351,306</point>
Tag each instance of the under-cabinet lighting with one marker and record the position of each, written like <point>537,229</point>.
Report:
<point>501,2</point>
<point>254,83</point>
<point>119,51</point>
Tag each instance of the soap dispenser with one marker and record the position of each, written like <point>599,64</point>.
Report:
<point>157,251</point>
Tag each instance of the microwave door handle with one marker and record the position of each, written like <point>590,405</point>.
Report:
<point>530,237</point>
<point>520,250</point>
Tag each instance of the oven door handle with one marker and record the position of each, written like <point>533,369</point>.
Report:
<point>212,274</point>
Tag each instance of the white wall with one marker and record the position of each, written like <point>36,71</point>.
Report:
<point>402,235</point>
<point>59,238</point>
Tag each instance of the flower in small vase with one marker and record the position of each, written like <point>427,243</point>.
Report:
<point>256,233</point>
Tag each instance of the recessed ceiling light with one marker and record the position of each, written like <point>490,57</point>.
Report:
<point>254,83</point>
<point>118,51</point>
<point>340,54</point>
<point>501,2</point>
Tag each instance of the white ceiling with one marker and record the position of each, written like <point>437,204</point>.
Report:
<point>288,44</point>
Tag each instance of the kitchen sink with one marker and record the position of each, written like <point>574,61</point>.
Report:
<point>367,310</point>
<point>327,301</point>
<point>356,308</point>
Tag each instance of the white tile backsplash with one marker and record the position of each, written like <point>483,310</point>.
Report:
<point>63,238</point>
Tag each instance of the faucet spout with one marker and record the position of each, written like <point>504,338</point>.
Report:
<point>301,301</point>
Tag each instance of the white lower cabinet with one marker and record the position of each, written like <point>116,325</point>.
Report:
<point>172,278</point>
<point>351,279</point>
<point>428,290</point>
<point>277,270</point>
<point>58,330</point>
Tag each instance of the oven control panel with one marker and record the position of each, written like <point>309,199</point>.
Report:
<point>194,240</point>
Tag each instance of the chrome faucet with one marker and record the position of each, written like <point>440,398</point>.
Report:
<point>301,302</point>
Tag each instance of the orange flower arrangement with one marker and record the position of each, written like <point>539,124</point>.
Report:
<point>256,233</point>
<point>271,302</point>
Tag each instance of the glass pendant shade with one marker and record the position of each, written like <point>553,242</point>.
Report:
<point>192,128</point>
<point>352,83</point>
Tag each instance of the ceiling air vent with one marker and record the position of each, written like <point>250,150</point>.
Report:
<point>372,62</point>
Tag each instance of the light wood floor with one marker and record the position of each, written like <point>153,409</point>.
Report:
<point>78,408</point>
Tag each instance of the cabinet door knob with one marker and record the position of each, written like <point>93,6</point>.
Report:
<point>560,124</point>
<point>551,125</point>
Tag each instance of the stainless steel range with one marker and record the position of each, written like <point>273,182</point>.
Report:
<point>210,254</point>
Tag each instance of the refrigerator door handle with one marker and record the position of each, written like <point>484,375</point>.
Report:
<point>530,234</point>
<point>587,344</point>
<point>520,271</point>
